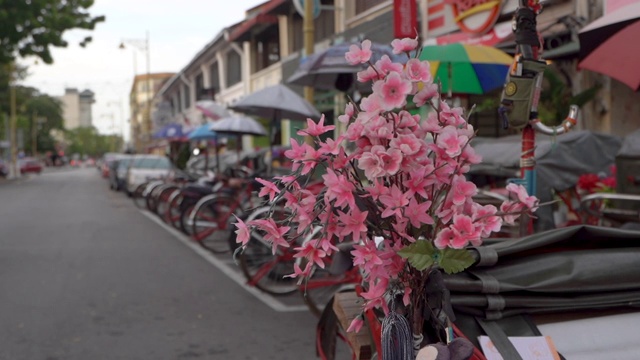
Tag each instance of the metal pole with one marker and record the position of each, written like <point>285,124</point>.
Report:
<point>34,134</point>
<point>308,42</point>
<point>15,173</point>
<point>147,127</point>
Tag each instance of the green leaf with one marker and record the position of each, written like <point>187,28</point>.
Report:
<point>421,254</point>
<point>455,260</point>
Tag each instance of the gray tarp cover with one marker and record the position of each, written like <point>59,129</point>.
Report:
<point>568,269</point>
<point>631,145</point>
<point>559,161</point>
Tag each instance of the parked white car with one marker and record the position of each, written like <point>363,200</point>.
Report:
<point>146,167</point>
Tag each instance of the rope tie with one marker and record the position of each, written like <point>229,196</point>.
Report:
<point>397,340</point>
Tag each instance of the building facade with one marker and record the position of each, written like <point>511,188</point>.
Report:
<point>76,107</point>
<point>268,46</point>
<point>141,104</point>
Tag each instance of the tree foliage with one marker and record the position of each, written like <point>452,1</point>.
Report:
<point>31,27</point>
<point>87,141</point>
<point>557,97</point>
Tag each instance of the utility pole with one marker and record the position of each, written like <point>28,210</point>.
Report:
<point>308,42</point>
<point>308,30</point>
<point>15,172</point>
<point>34,134</point>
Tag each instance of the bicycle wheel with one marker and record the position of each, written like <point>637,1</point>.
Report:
<point>212,221</point>
<point>172,214</point>
<point>152,195</point>
<point>138,196</point>
<point>163,199</point>
<point>262,268</point>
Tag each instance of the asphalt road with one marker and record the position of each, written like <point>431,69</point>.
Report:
<point>85,275</point>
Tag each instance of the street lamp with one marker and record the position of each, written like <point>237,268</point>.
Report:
<point>143,45</point>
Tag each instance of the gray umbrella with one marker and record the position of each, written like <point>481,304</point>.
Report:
<point>276,102</point>
<point>329,69</point>
<point>238,125</point>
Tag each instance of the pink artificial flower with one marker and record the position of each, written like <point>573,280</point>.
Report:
<point>310,160</point>
<point>340,160</point>
<point>464,231</point>
<point>330,146</point>
<point>485,218</point>
<point>404,119</point>
<point>268,188</point>
<point>530,202</point>
<point>393,91</point>
<point>418,213</point>
<point>368,74</point>
<point>377,189</point>
<point>354,223</point>
<point>339,189</point>
<point>444,238</point>
<point>314,129</point>
<point>394,202</point>
<point>299,273</point>
<point>462,190</point>
<point>274,232</point>
<point>356,324</point>
<point>511,211</point>
<point>417,70</point>
<point>349,110</point>
<point>311,252</point>
<point>242,232</point>
<point>428,92</point>
<point>366,255</point>
<point>359,55</point>
<point>450,141</point>
<point>408,144</point>
<point>419,180</point>
<point>371,106</point>
<point>404,45</point>
<point>380,162</point>
<point>451,116</point>
<point>386,66</point>
<point>297,151</point>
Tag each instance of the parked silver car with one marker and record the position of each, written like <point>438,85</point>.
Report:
<point>146,167</point>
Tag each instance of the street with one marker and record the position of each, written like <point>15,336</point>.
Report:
<point>86,275</point>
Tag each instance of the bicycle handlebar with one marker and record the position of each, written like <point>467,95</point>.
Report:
<point>612,211</point>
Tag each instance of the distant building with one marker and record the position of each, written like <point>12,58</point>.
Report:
<point>76,108</point>
<point>141,103</point>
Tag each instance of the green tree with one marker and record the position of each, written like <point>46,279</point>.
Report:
<point>556,97</point>
<point>47,112</point>
<point>87,141</point>
<point>32,27</point>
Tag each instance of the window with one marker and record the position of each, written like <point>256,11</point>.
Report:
<point>200,94</point>
<point>186,96</point>
<point>234,68</point>
<point>215,77</point>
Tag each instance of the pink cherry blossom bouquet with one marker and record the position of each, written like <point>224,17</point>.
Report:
<point>400,195</point>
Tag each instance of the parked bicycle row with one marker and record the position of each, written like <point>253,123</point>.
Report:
<point>204,207</point>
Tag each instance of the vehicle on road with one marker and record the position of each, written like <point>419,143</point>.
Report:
<point>107,159</point>
<point>4,168</point>
<point>118,172</point>
<point>146,167</point>
<point>30,165</point>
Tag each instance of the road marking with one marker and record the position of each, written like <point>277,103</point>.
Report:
<point>226,268</point>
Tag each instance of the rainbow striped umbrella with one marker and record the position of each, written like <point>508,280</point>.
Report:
<point>467,69</point>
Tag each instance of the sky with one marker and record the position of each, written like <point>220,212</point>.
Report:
<point>178,29</point>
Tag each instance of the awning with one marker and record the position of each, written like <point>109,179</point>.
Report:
<point>263,16</point>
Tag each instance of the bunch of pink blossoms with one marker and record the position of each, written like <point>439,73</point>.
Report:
<point>401,186</point>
